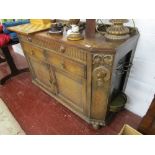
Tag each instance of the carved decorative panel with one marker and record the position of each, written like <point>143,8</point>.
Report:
<point>102,59</point>
<point>101,74</point>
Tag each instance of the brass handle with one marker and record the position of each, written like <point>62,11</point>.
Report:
<point>29,39</point>
<point>62,49</point>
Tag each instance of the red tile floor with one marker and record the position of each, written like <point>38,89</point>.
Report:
<point>38,113</point>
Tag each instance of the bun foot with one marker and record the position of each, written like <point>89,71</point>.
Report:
<point>97,125</point>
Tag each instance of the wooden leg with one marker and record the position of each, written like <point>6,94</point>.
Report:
<point>14,70</point>
<point>2,60</point>
<point>3,80</point>
<point>97,124</point>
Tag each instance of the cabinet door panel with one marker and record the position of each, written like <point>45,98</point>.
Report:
<point>43,74</point>
<point>71,90</point>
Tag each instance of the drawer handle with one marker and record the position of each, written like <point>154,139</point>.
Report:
<point>29,39</point>
<point>62,65</point>
<point>32,52</point>
<point>62,49</point>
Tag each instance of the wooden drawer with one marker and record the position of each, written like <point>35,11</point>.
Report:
<point>33,51</point>
<point>66,64</point>
<point>54,45</point>
<point>23,37</point>
<point>72,52</point>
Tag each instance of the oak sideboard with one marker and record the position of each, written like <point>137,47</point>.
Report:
<point>82,75</point>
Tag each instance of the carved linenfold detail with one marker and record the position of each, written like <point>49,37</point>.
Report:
<point>76,53</point>
<point>102,59</point>
<point>70,51</point>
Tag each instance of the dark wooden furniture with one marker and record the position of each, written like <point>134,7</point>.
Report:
<point>147,125</point>
<point>2,59</point>
<point>83,75</point>
<point>9,59</point>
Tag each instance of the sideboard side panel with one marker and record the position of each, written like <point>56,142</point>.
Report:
<point>101,77</point>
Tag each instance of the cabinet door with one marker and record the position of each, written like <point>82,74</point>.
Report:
<point>72,90</point>
<point>43,74</point>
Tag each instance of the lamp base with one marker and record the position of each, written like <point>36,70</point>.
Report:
<point>75,36</point>
<point>117,31</point>
<point>116,37</point>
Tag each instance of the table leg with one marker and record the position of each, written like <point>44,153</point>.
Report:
<point>12,66</point>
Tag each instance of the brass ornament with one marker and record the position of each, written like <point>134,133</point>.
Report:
<point>117,31</point>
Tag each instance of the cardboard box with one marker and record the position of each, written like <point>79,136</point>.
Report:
<point>128,130</point>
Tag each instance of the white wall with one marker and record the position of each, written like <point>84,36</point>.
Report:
<point>141,84</point>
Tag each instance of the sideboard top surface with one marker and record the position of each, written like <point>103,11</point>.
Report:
<point>98,43</point>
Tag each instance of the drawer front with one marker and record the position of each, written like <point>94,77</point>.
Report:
<point>24,37</point>
<point>33,51</point>
<point>72,52</point>
<point>66,64</point>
